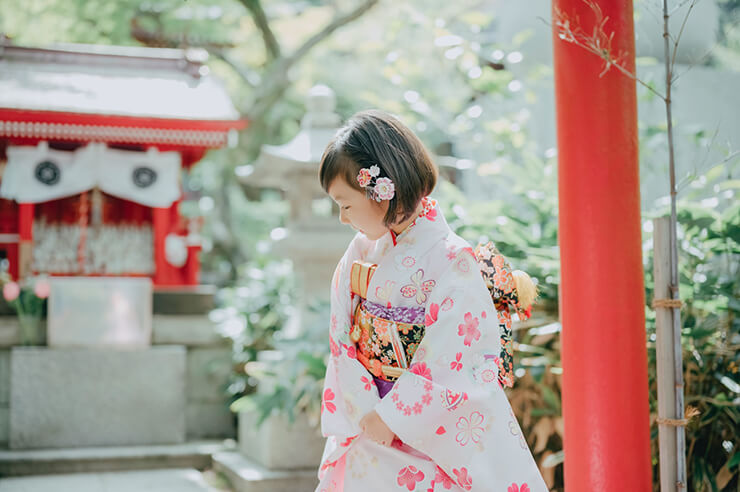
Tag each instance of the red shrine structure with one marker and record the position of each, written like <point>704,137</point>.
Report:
<point>94,143</point>
<point>602,291</point>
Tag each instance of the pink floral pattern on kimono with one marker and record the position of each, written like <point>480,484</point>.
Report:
<point>408,477</point>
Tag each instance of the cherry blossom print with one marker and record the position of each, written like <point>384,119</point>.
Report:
<point>348,441</point>
<point>426,399</point>
<point>456,365</point>
<point>442,479</point>
<point>463,479</point>
<point>441,430</point>
<point>415,407</point>
<point>334,348</point>
<point>382,330</point>
<point>518,488</point>
<point>409,476</point>
<point>431,316</point>
<point>469,329</point>
<point>418,287</point>
<point>422,370</point>
<point>420,353</point>
<point>471,429</point>
<point>375,347</point>
<point>351,351</point>
<point>326,403</point>
<point>333,324</point>
<point>369,383</point>
<point>503,279</point>
<point>431,215</point>
<point>451,253</point>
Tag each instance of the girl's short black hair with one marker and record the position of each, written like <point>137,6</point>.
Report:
<point>374,137</point>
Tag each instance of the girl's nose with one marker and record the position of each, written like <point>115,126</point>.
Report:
<point>343,218</point>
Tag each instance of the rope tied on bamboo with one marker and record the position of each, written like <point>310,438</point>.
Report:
<point>690,413</point>
<point>666,303</point>
<point>672,422</point>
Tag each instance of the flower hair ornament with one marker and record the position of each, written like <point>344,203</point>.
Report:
<point>382,189</point>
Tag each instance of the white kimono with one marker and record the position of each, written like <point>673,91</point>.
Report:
<point>456,428</point>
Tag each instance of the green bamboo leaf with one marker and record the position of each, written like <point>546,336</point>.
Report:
<point>550,398</point>
<point>734,460</point>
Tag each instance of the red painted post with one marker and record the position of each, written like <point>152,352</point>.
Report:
<point>161,227</point>
<point>605,385</point>
<point>25,239</point>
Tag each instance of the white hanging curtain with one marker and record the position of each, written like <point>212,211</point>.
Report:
<point>149,178</point>
<point>39,174</point>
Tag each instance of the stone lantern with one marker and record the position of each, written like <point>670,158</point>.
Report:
<point>315,239</point>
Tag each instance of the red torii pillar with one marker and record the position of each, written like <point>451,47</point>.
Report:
<point>602,297</point>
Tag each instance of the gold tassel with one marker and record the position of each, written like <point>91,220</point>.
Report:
<point>525,288</point>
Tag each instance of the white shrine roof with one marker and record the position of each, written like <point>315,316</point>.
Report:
<point>112,80</point>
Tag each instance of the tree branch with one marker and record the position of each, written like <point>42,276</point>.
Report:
<point>335,24</point>
<point>678,38</point>
<point>276,81</point>
<point>250,77</point>
<point>597,42</point>
<point>272,47</point>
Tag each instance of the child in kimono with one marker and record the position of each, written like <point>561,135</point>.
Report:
<point>419,333</point>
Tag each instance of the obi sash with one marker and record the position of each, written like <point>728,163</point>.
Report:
<point>386,338</point>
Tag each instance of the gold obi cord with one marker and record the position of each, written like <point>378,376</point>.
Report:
<point>384,347</point>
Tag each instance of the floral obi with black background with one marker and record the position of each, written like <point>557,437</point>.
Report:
<point>386,337</point>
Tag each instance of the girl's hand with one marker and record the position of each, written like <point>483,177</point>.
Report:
<point>375,428</point>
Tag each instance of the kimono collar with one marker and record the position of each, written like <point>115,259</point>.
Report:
<point>427,221</point>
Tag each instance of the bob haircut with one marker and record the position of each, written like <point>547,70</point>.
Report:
<point>374,137</point>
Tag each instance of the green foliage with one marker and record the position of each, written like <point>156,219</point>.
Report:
<point>292,380</point>
<point>252,313</point>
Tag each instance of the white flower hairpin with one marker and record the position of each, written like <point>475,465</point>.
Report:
<point>383,189</point>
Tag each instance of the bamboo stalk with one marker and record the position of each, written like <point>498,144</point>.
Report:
<point>664,348</point>
<point>680,449</point>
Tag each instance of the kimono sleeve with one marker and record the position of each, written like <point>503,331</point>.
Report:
<point>349,390</point>
<point>449,404</point>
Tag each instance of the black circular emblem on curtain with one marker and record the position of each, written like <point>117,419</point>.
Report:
<point>144,177</point>
<point>48,173</point>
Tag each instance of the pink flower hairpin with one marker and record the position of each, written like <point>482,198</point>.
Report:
<point>383,189</point>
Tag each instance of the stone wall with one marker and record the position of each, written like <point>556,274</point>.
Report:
<point>205,370</point>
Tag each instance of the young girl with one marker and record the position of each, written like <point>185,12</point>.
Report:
<point>420,332</point>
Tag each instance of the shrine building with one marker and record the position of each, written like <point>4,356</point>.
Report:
<point>94,143</point>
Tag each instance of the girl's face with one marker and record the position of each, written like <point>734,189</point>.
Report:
<point>358,211</point>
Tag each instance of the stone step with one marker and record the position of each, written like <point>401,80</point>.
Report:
<point>193,454</point>
<point>247,476</point>
<point>165,480</point>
